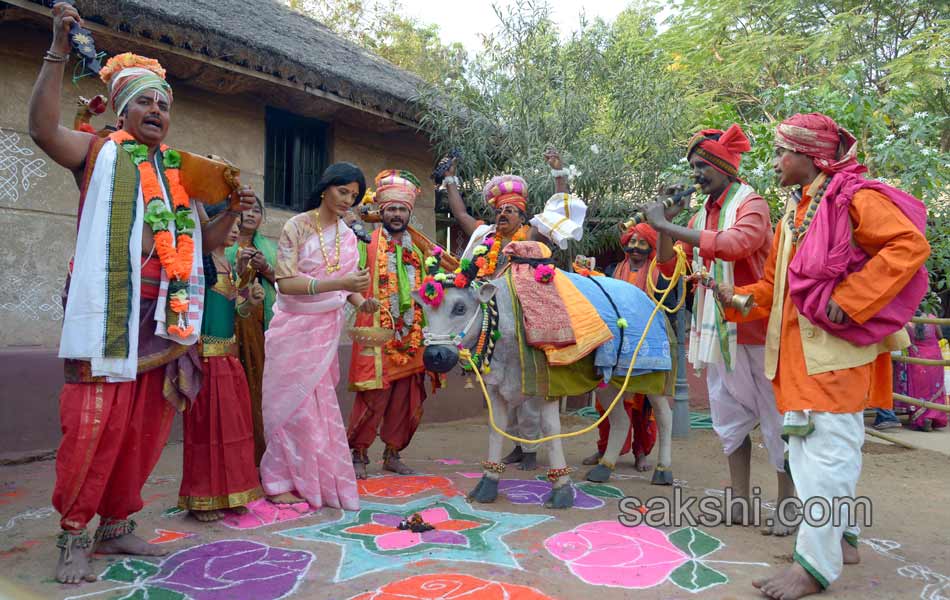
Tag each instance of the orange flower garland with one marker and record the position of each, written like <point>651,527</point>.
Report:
<point>175,254</point>
<point>402,350</point>
<point>487,267</point>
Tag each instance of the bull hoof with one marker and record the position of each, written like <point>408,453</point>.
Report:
<point>599,474</point>
<point>529,461</point>
<point>662,476</point>
<point>561,497</point>
<point>486,491</point>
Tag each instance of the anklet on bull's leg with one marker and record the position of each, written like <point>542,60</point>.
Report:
<point>555,474</point>
<point>493,469</point>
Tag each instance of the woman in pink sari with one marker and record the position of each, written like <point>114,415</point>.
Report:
<point>307,456</point>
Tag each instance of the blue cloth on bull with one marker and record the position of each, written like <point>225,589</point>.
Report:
<point>635,307</point>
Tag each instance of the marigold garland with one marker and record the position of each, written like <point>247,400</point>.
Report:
<point>492,255</point>
<point>176,254</point>
<point>400,349</point>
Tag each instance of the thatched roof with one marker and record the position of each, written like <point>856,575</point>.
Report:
<point>268,37</point>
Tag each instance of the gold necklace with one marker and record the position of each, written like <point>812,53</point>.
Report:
<point>334,266</point>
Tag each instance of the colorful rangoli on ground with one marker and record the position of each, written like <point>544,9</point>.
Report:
<point>221,570</point>
<point>404,486</point>
<point>371,540</point>
<point>451,586</point>
<point>610,554</point>
<point>261,513</point>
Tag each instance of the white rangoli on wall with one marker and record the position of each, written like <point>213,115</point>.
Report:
<point>35,298</point>
<point>18,167</point>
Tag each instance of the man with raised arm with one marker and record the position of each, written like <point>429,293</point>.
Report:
<point>134,305</point>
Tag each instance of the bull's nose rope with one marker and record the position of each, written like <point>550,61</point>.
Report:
<point>680,271</point>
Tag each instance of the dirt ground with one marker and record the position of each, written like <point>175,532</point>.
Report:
<point>488,551</point>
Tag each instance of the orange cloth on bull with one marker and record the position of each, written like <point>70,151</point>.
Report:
<point>897,249</point>
<point>590,331</point>
<point>546,321</point>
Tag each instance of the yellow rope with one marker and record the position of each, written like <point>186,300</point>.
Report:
<point>677,279</point>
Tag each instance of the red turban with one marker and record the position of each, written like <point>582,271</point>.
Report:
<point>723,153</point>
<point>830,147</point>
<point>643,231</point>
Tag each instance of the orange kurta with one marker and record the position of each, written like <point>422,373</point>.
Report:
<point>897,250</point>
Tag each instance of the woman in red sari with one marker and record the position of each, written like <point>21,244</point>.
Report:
<point>218,469</point>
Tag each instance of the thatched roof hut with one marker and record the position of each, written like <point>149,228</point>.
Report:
<point>260,39</point>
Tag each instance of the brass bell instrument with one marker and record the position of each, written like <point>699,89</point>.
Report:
<point>744,303</point>
<point>670,202</point>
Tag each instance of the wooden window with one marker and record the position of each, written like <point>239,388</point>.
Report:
<point>295,158</point>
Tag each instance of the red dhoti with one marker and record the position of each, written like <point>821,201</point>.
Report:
<point>642,427</point>
<point>218,469</point>
<point>113,435</point>
<point>398,408</point>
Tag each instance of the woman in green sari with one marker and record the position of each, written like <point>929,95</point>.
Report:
<point>253,320</point>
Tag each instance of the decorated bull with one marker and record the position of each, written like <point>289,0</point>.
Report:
<point>537,333</point>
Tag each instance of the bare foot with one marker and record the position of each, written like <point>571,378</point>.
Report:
<point>849,554</point>
<point>206,516</point>
<point>129,544</point>
<point>360,469</point>
<point>394,465</point>
<point>779,527</point>
<point>514,456</point>
<point>73,566</point>
<point>285,498</point>
<point>640,463</point>
<point>791,584</point>
<point>593,459</point>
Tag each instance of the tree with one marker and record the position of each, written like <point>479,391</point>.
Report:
<point>381,27</point>
<point>600,97</point>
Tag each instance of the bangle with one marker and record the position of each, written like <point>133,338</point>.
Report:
<point>312,287</point>
<point>451,180</point>
<point>51,56</point>
<point>560,173</point>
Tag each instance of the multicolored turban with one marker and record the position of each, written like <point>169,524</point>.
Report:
<point>831,147</point>
<point>507,189</point>
<point>722,149</point>
<point>395,186</point>
<point>643,231</point>
<point>128,75</point>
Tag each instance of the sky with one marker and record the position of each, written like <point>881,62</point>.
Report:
<point>462,20</point>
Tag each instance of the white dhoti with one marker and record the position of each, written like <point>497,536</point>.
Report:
<point>825,464</point>
<point>743,398</point>
<point>524,421</point>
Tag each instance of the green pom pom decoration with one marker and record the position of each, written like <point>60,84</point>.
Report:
<point>171,159</point>
<point>496,335</point>
<point>431,261</point>
<point>465,263</point>
<point>622,323</point>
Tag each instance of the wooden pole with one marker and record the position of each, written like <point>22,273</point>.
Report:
<point>922,403</point>
<point>927,321</point>
<point>911,360</point>
<point>890,439</point>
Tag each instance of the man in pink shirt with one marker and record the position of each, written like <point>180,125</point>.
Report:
<point>729,237</point>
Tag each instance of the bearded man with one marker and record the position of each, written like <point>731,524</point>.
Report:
<point>390,381</point>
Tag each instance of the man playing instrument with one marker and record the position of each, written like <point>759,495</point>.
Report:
<point>836,301</point>
<point>130,359</point>
<point>729,238</point>
<point>390,381</point>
